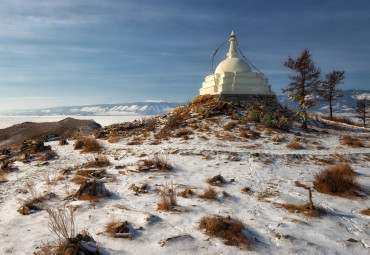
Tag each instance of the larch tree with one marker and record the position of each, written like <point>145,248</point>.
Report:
<point>329,88</point>
<point>305,83</point>
<point>363,109</point>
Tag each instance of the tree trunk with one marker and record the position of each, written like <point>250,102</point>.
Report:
<point>331,110</point>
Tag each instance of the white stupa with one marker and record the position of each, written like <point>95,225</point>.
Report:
<point>234,77</point>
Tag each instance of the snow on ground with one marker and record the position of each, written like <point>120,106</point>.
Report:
<point>269,166</point>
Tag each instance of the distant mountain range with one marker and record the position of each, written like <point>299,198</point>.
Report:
<point>344,104</point>
<point>127,109</point>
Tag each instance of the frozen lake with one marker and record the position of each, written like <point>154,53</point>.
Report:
<point>7,121</point>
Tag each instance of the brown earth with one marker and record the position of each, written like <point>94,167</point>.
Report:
<point>15,135</point>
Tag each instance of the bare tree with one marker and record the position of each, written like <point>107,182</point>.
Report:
<point>305,83</point>
<point>329,90</point>
<point>363,109</point>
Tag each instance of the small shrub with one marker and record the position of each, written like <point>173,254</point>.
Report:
<point>294,145</point>
<point>168,198</point>
<point>91,145</point>
<point>352,142</point>
<point>217,134</point>
<point>209,194</point>
<point>230,230</point>
<point>338,180</point>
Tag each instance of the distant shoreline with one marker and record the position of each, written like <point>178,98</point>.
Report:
<point>104,120</point>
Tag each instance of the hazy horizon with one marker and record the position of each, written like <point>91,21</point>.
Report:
<point>65,53</point>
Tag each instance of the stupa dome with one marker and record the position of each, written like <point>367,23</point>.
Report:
<point>233,64</point>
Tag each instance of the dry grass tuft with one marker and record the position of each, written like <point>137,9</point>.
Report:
<point>229,126</point>
<point>168,198</point>
<point>338,180</point>
<point>267,193</point>
<point>209,194</point>
<point>118,229</point>
<point>217,180</point>
<point>352,142</point>
<point>186,193</point>
<point>294,145</point>
<point>307,209</point>
<point>100,161</point>
<point>35,200</point>
<point>84,175</point>
<point>292,208</point>
<point>160,162</point>
<point>90,144</point>
<point>366,211</point>
<point>48,156</point>
<point>183,132</point>
<point>114,139</point>
<point>230,230</point>
<point>62,224</point>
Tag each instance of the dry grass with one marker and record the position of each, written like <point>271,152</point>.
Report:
<point>186,193</point>
<point>34,201</point>
<point>48,156</point>
<point>91,145</point>
<point>183,132</point>
<point>114,139</point>
<point>292,208</point>
<point>100,161</point>
<point>351,142</point>
<point>267,193</point>
<point>62,224</point>
<point>209,194</point>
<point>277,139</point>
<point>366,211</point>
<point>230,126</point>
<point>168,198</point>
<point>83,175</point>
<point>217,134</point>
<point>294,145</point>
<point>230,230</point>
<point>338,180</point>
<point>118,229</point>
<point>217,180</point>
<point>149,124</point>
<point>160,162</point>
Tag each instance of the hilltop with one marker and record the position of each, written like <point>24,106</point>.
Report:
<point>209,177</point>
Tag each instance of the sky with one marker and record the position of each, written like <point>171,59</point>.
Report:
<point>78,52</point>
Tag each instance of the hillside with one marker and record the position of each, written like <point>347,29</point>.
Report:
<point>232,162</point>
